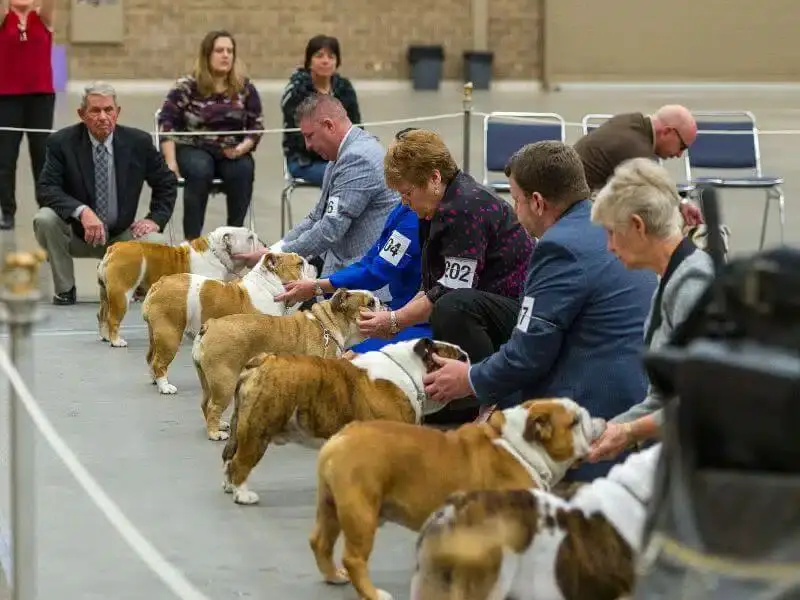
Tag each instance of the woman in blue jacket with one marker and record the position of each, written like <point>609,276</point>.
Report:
<point>393,264</point>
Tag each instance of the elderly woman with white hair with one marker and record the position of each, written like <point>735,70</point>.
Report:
<point>640,208</point>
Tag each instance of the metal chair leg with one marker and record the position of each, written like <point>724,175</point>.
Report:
<point>764,221</point>
<point>286,207</point>
<point>781,210</point>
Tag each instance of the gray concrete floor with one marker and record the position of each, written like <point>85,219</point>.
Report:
<point>149,451</point>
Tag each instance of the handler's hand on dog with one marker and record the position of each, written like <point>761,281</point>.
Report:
<point>143,227</point>
<point>250,258</point>
<point>449,382</point>
<point>94,230</point>
<point>375,324</point>
<point>613,441</point>
<point>297,291</point>
<point>691,214</point>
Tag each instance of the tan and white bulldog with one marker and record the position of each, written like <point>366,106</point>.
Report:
<point>376,471</point>
<point>132,267</point>
<point>225,345</point>
<point>307,399</point>
<point>179,304</point>
<point>528,544</point>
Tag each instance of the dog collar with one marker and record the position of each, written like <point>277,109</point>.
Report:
<point>327,336</point>
<point>422,397</point>
<point>542,480</point>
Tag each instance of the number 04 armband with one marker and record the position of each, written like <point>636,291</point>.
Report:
<point>395,249</point>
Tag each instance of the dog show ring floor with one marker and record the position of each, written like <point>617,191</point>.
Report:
<point>150,452</point>
<point>151,455</point>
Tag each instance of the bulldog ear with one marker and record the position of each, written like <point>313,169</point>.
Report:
<point>339,299</point>
<point>538,427</point>
<point>270,261</point>
<point>226,241</point>
<point>423,348</point>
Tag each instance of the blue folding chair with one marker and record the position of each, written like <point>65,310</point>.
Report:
<point>728,141</point>
<point>594,120</point>
<point>506,132</point>
<point>290,183</point>
<point>216,186</point>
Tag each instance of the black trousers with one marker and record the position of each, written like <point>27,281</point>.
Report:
<point>479,322</point>
<point>199,167</point>
<point>26,111</point>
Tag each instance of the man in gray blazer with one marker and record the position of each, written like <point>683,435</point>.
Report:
<point>355,200</point>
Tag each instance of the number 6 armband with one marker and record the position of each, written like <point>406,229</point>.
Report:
<point>459,273</point>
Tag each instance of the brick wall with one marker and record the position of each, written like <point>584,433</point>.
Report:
<point>162,36</point>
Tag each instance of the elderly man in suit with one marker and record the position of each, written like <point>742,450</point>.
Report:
<point>355,201</point>
<point>89,189</point>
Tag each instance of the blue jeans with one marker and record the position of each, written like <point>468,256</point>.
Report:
<point>409,333</point>
<point>312,172</point>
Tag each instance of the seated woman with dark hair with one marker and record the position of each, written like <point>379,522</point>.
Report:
<point>216,98</point>
<point>317,76</point>
<point>471,238</point>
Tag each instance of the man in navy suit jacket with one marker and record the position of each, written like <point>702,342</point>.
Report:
<point>579,331</point>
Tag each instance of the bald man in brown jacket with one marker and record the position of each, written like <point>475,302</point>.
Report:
<point>665,134</point>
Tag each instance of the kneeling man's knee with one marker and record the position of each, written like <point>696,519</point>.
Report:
<point>450,310</point>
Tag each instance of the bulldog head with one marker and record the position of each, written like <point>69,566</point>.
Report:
<point>349,303</point>
<point>344,308</point>
<point>225,242</point>
<point>425,348</point>
<point>461,548</point>
<point>551,434</point>
<point>286,266</point>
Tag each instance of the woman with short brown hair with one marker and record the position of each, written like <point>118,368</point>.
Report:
<point>475,252</point>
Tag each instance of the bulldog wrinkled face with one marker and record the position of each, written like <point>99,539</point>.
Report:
<point>235,240</point>
<point>351,302</point>
<point>560,425</point>
<point>288,266</point>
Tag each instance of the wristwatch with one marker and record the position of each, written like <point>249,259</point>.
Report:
<point>393,328</point>
<point>317,289</point>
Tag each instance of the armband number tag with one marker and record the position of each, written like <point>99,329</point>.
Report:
<point>524,316</point>
<point>332,206</point>
<point>394,249</point>
<point>459,273</point>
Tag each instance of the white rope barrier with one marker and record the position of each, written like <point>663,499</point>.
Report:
<point>422,119</point>
<point>164,570</point>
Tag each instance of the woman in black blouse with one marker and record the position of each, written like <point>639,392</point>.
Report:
<point>472,241</point>
<point>318,75</point>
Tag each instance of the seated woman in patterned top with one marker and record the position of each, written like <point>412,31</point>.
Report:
<point>318,76</point>
<point>216,97</point>
<point>471,241</point>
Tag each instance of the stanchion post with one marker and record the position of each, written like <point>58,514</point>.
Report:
<point>467,104</point>
<point>19,295</point>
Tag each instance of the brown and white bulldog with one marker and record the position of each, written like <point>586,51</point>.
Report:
<point>307,399</point>
<point>376,471</point>
<point>132,267</point>
<point>532,545</point>
<point>181,303</point>
<point>225,345</point>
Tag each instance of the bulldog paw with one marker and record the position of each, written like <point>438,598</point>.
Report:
<point>165,387</point>
<point>224,426</point>
<point>384,595</point>
<point>119,343</point>
<point>227,487</point>
<point>218,436</point>
<point>245,496</point>
<point>340,577</point>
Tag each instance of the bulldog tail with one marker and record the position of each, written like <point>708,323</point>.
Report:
<point>198,340</point>
<point>244,377</point>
